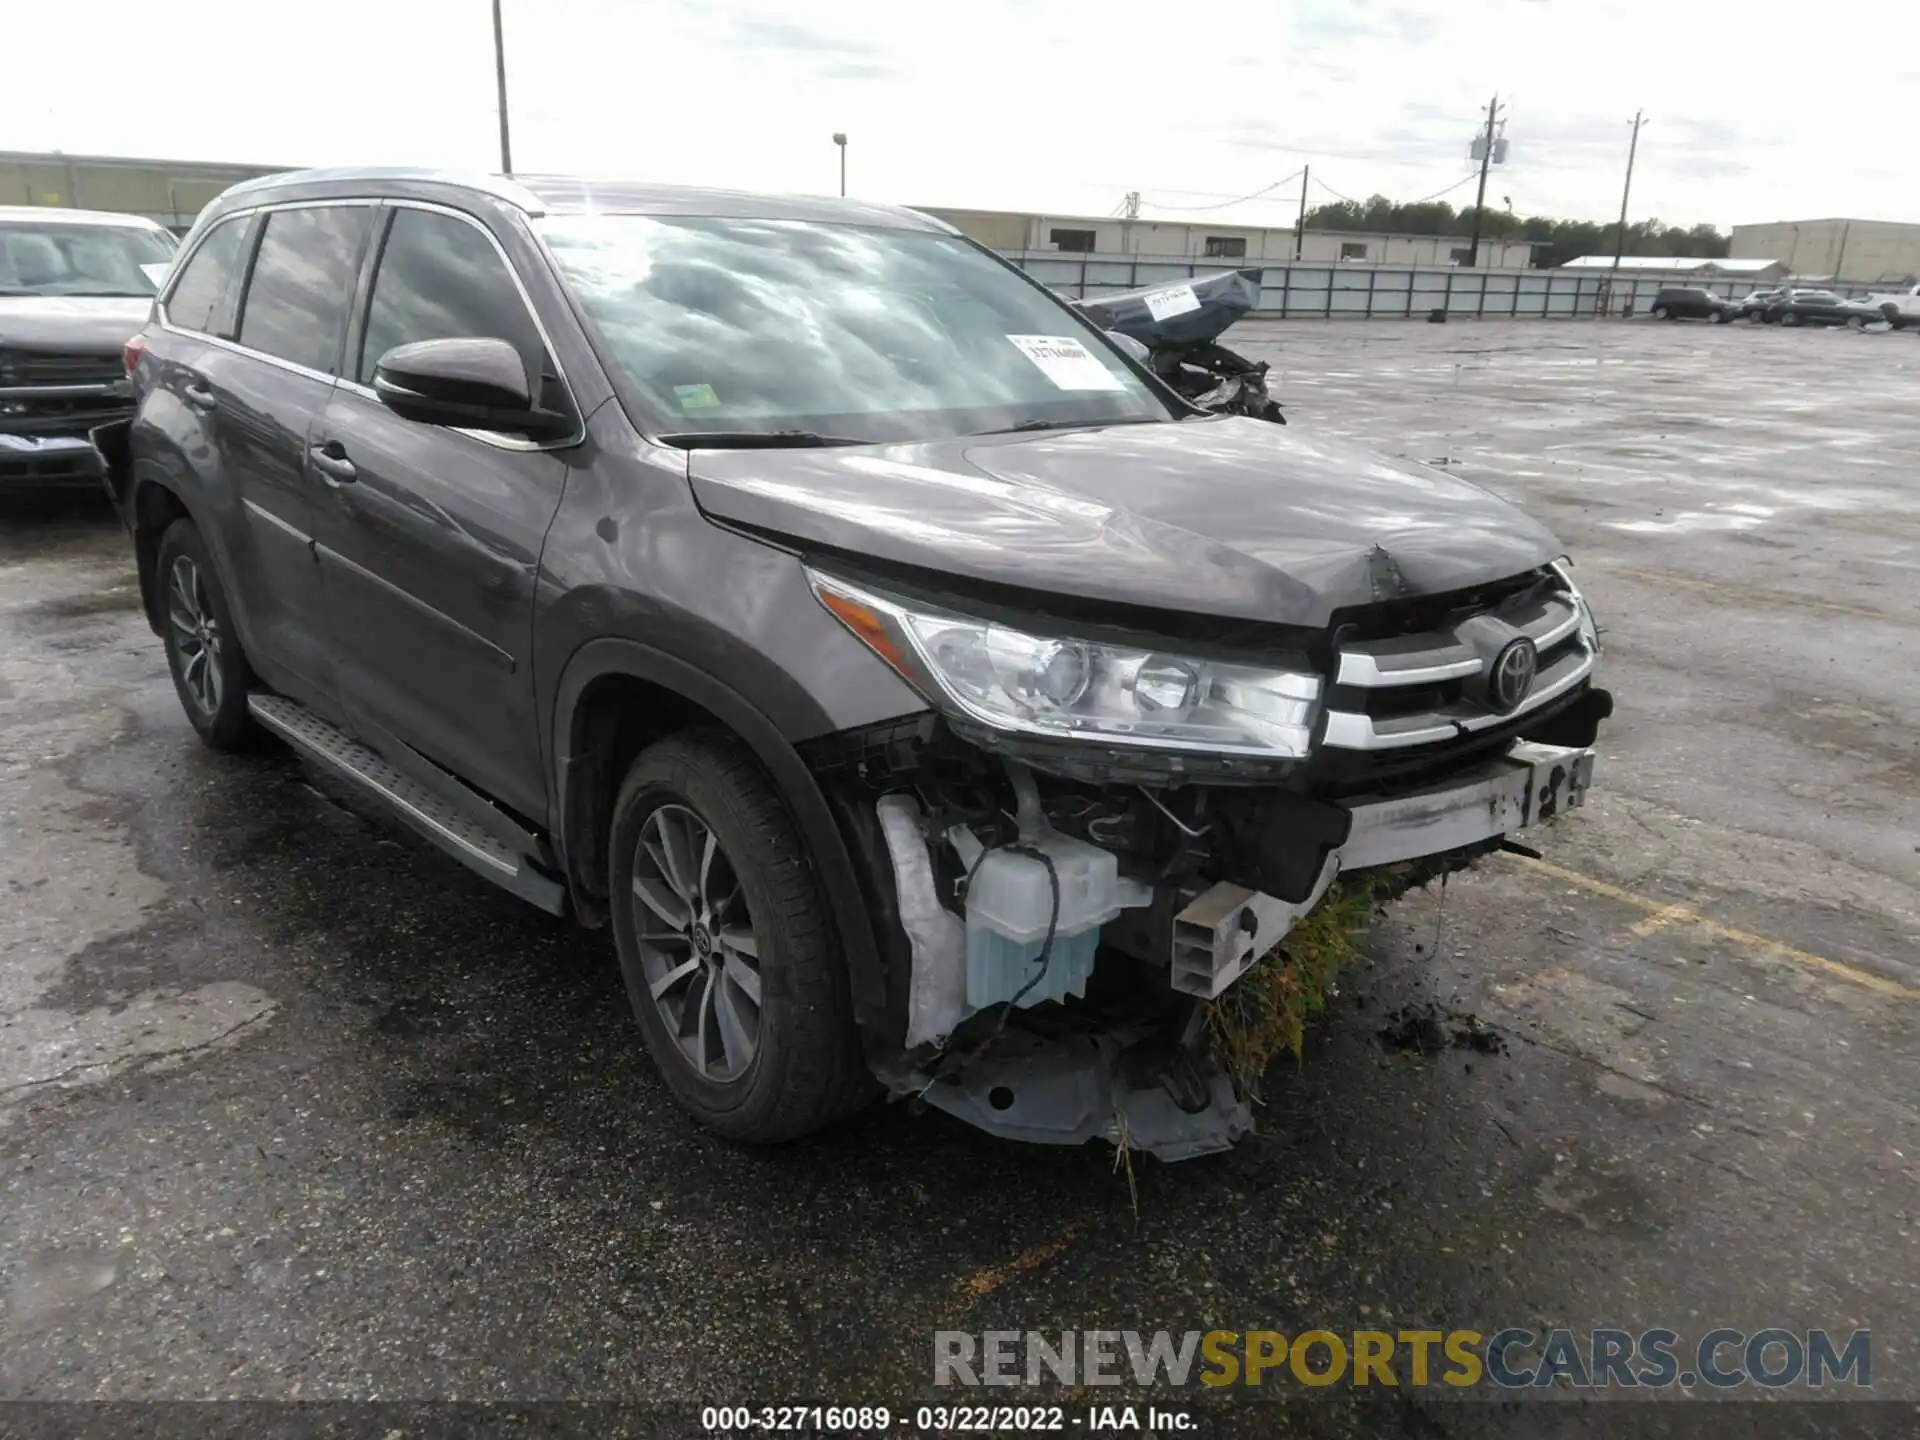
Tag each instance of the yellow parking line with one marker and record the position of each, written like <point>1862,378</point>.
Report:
<point>1660,919</point>
<point>985,1281</point>
<point>1658,910</point>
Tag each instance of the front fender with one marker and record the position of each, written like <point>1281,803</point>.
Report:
<point>826,847</point>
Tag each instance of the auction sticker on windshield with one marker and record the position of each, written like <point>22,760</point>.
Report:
<point>1066,362</point>
<point>1165,304</point>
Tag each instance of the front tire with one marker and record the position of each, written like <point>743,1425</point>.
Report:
<point>1719,317</point>
<point>1660,312</point>
<point>730,957</point>
<point>1787,317</point>
<point>210,672</point>
<point>1854,322</point>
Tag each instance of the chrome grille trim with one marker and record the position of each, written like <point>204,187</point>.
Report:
<point>1438,656</point>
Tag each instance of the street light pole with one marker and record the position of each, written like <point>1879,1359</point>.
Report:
<point>840,139</point>
<point>500,85</point>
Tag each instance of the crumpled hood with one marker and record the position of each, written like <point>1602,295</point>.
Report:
<point>74,324</point>
<point>1230,517</point>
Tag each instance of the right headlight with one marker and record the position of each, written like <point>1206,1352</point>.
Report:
<point>1060,686</point>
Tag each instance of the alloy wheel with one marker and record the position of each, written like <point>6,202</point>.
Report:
<point>697,944</point>
<point>196,634</point>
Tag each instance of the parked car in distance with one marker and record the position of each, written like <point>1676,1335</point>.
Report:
<point>803,592</point>
<point>1753,306</point>
<point>74,286</point>
<point>1690,302</point>
<point>1820,307</point>
<point>1900,308</point>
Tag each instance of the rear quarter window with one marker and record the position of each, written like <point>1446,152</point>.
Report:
<point>200,297</point>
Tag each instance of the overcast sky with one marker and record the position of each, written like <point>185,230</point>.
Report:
<point>1056,105</point>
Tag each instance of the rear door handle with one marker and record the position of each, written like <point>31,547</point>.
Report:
<point>198,395</point>
<point>330,459</point>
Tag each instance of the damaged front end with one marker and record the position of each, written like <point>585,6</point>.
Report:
<point>1097,833</point>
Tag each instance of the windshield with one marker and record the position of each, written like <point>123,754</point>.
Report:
<point>50,259</point>
<point>726,325</point>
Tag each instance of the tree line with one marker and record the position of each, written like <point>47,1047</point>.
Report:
<point>1558,240</point>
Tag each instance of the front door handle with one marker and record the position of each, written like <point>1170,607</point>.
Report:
<point>330,459</point>
<point>199,396</point>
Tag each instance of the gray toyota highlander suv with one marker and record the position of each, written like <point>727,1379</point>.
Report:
<point>926,698</point>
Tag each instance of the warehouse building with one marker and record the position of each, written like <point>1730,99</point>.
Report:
<point>1862,251</point>
<point>171,192</point>
<point>1018,232</point>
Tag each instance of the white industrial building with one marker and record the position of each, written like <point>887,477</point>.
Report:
<point>1013,231</point>
<point>1862,251</point>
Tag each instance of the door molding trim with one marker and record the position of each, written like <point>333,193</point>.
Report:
<point>473,637</point>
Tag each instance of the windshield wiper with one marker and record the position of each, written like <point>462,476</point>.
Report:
<point>755,439</point>
<point>1074,424</point>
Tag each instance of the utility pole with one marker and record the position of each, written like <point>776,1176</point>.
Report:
<point>1486,160</point>
<point>840,139</point>
<point>1620,240</point>
<point>1129,212</point>
<point>500,84</point>
<point>1300,227</point>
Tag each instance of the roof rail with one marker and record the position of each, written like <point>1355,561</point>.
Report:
<point>501,187</point>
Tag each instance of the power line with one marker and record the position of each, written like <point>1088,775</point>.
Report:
<point>1471,174</point>
<point>1221,205</point>
<point>1335,193</point>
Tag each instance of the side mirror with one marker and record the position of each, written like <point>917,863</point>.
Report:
<point>470,384</point>
<point>1132,346</point>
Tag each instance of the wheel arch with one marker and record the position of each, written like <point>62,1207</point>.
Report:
<point>616,697</point>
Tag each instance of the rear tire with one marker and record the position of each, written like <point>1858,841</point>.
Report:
<point>731,958</point>
<point>210,671</point>
<point>1854,322</point>
<point>1787,317</point>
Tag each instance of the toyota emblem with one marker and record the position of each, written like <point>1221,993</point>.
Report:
<point>1512,674</point>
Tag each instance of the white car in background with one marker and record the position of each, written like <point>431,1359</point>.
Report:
<point>1901,307</point>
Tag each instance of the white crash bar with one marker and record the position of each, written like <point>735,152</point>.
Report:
<point>1228,927</point>
<point>1528,784</point>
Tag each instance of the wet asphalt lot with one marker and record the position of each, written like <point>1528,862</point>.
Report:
<point>292,1107</point>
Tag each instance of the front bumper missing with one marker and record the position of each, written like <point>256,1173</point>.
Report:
<point>1070,1088</point>
<point>1223,931</point>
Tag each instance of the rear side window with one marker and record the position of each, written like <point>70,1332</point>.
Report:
<point>441,279</point>
<point>199,298</point>
<point>302,285</point>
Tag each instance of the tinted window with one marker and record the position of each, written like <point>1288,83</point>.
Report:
<point>198,299</point>
<point>43,258</point>
<point>302,285</point>
<point>441,279</point>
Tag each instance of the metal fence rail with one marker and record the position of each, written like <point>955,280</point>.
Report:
<point>1382,292</point>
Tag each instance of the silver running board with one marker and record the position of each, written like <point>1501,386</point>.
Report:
<point>460,835</point>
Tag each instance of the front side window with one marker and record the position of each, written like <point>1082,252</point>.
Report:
<point>441,279</point>
<point>54,258</point>
<point>857,332</point>
<point>302,284</point>
<point>198,298</point>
